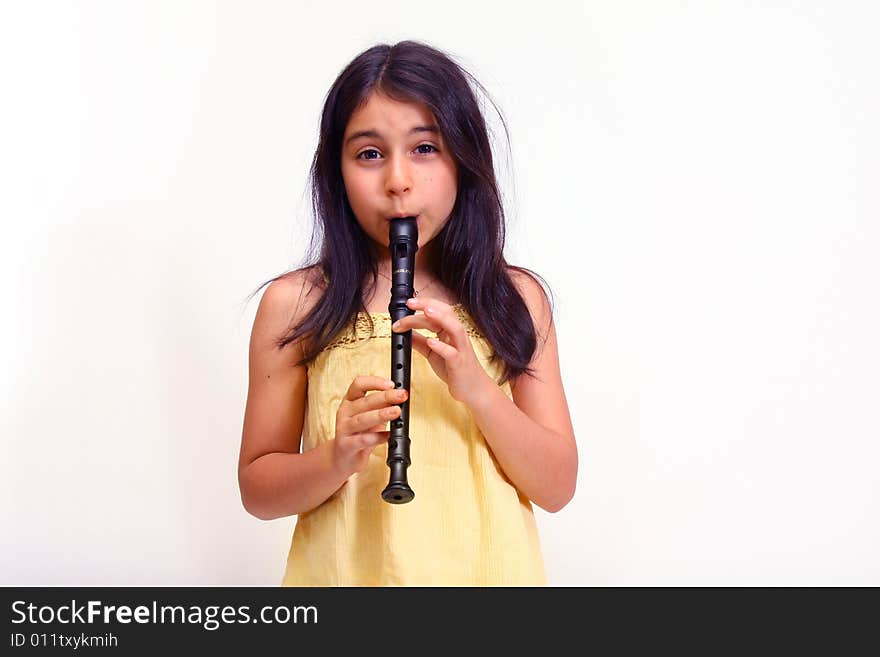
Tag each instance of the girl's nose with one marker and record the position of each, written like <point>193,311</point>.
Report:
<point>399,179</point>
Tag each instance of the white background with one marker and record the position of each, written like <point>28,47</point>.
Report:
<point>697,181</point>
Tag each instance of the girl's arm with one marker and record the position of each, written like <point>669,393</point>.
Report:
<point>532,436</point>
<point>275,480</point>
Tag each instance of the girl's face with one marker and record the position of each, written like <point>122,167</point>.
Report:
<point>395,163</point>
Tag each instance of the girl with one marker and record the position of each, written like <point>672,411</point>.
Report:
<point>402,135</point>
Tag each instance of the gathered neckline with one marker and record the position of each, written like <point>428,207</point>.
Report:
<point>366,324</point>
<point>379,313</point>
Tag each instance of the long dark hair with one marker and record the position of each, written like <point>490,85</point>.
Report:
<point>469,247</point>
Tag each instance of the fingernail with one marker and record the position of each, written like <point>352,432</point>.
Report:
<point>396,324</point>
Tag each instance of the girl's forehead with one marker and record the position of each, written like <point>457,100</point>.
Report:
<point>379,110</point>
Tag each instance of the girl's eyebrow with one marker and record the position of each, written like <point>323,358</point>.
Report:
<point>375,135</point>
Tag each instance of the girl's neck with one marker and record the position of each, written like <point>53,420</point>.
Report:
<point>425,266</point>
<point>425,282</point>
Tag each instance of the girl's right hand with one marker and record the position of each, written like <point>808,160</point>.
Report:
<point>361,420</point>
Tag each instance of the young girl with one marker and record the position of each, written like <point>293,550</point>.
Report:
<point>401,135</point>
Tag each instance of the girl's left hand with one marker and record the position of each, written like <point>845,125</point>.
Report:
<point>452,357</point>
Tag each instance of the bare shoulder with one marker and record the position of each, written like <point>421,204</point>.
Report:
<point>535,298</point>
<point>301,287</point>
<point>286,301</point>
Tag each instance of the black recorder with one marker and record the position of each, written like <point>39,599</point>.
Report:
<point>403,240</point>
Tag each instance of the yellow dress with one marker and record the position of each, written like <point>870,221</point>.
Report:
<point>468,525</point>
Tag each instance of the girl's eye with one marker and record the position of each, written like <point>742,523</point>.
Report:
<point>431,147</point>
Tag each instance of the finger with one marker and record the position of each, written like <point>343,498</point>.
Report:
<point>376,408</point>
<point>441,348</point>
<point>366,421</point>
<point>363,421</point>
<point>361,384</point>
<point>419,320</point>
<point>420,303</point>
<point>356,399</point>
<point>377,401</point>
<point>438,316</point>
<point>410,322</point>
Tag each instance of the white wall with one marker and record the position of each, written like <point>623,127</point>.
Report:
<point>693,179</point>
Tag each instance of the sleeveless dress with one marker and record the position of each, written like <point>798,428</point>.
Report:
<point>468,525</point>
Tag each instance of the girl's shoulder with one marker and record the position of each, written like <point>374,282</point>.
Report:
<point>527,283</point>
<point>534,295</point>
<point>307,282</point>
<point>295,294</point>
